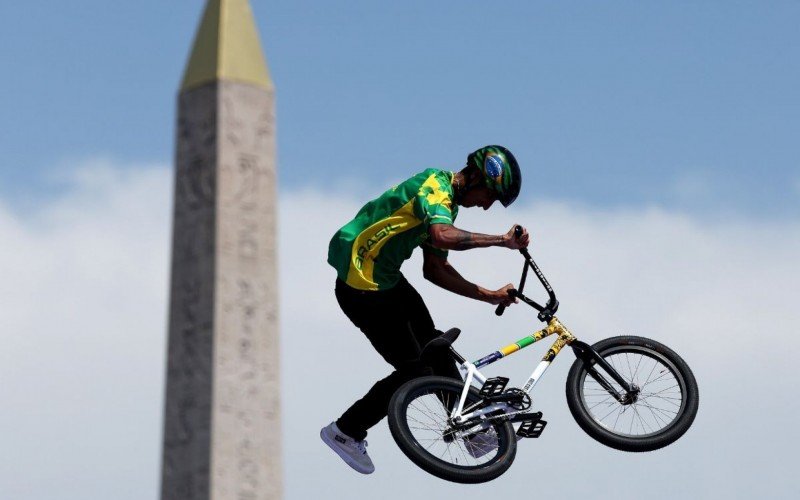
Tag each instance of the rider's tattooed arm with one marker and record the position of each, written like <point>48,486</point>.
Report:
<point>439,272</point>
<point>448,237</point>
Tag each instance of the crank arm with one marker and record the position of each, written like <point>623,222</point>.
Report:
<point>478,414</point>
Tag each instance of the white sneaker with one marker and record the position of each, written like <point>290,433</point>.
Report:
<point>353,452</point>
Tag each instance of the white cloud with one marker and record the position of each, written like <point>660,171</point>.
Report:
<point>83,316</point>
<point>82,309</point>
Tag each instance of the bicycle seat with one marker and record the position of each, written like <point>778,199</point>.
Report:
<point>443,341</point>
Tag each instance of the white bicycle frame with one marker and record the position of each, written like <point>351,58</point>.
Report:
<point>473,375</point>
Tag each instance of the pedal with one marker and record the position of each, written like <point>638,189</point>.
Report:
<point>532,427</point>
<point>493,386</point>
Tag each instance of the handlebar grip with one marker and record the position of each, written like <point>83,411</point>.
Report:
<point>517,234</point>
<point>501,308</point>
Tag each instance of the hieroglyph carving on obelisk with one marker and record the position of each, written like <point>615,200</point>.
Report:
<point>222,420</point>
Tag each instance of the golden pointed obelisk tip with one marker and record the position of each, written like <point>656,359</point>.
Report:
<point>227,47</point>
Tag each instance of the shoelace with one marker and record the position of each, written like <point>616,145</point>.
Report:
<point>362,446</point>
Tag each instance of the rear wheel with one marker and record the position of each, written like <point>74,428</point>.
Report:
<point>662,409</point>
<point>418,419</point>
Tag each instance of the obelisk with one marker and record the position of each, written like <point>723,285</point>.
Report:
<point>222,420</point>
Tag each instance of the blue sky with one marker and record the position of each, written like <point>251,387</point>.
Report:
<point>692,106</point>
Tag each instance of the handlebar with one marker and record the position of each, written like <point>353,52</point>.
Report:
<point>548,310</point>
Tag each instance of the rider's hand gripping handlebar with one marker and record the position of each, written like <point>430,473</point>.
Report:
<point>501,308</point>
<point>545,312</point>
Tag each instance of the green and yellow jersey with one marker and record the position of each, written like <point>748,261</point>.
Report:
<point>368,251</point>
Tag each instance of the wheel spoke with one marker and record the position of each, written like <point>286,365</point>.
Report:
<point>636,372</point>
<point>663,374</point>
<point>650,374</point>
<point>667,401</point>
<point>630,371</point>
<point>664,412</point>
<point>450,454</point>
<point>655,415</point>
<point>618,415</point>
<point>607,414</point>
<point>432,419</point>
<point>428,426</point>
<point>641,420</point>
<point>427,408</point>
<point>663,390</point>
<point>603,401</point>
<point>630,431</point>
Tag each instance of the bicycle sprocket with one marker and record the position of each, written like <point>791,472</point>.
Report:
<point>517,399</point>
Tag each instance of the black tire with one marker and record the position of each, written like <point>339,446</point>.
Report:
<point>673,389</point>
<point>455,464</point>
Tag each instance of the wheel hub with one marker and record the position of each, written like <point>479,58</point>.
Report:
<point>631,397</point>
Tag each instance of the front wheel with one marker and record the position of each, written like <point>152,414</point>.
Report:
<point>660,410</point>
<point>418,419</point>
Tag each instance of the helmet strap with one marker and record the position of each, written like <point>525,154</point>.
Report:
<point>475,178</point>
<point>458,177</point>
<point>464,181</point>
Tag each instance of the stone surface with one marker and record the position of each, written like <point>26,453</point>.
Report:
<point>222,421</point>
<point>187,426</point>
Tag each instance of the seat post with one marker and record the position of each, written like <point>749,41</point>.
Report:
<point>456,355</point>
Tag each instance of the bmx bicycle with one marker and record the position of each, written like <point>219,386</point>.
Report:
<point>629,393</point>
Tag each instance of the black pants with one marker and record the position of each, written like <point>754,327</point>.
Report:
<point>398,325</point>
